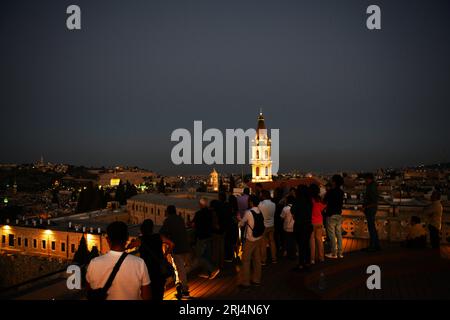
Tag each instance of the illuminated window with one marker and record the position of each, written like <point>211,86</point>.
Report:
<point>44,244</point>
<point>63,246</point>
<point>11,240</point>
<point>53,245</point>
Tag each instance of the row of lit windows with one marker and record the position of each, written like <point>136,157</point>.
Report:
<point>266,153</point>
<point>34,243</point>
<point>144,209</point>
<point>266,171</point>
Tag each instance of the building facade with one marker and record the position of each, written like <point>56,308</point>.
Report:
<point>153,206</point>
<point>213,182</point>
<point>47,242</point>
<point>261,153</point>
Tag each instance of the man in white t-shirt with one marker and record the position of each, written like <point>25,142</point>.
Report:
<point>251,252</point>
<point>132,281</point>
<point>268,207</point>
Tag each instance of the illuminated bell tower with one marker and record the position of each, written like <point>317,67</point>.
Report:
<point>214,180</point>
<point>261,155</point>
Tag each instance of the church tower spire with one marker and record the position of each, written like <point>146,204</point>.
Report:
<point>261,156</point>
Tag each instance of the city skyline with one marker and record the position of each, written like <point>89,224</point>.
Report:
<point>344,98</point>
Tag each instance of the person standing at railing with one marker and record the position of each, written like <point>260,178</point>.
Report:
<point>434,215</point>
<point>370,207</point>
<point>334,199</point>
<point>150,250</point>
<point>303,228</point>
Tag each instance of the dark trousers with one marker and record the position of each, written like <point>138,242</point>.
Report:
<point>203,252</point>
<point>289,244</point>
<point>231,238</point>
<point>434,237</point>
<point>303,236</point>
<point>420,242</point>
<point>370,214</point>
<point>157,286</point>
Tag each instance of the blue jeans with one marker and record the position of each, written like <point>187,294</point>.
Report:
<point>370,214</point>
<point>203,251</point>
<point>334,230</point>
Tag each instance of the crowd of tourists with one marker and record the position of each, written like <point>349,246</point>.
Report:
<point>251,230</point>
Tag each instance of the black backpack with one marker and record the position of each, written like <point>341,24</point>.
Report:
<point>258,226</point>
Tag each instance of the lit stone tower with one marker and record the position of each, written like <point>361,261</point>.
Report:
<point>261,156</point>
<point>214,180</point>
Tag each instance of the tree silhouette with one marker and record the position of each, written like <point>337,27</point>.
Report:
<point>120,194</point>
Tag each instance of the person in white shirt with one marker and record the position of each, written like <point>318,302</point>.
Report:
<point>132,281</point>
<point>267,208</point>
<point>288,227</point>
<point>251,253</point>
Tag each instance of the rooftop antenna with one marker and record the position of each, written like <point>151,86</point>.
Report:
<point>260,111</point>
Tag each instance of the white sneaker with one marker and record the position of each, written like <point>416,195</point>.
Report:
<point>341,256</point>
<point>331,256</point>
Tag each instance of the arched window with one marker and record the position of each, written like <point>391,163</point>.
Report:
<point>257,154</point>
<point>267,171</point>
<point>257,171</point>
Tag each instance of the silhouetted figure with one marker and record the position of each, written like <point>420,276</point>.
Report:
<point>174,229</point>
<point>150,249</point>
<point>334,199</point>
<point>131,282</point>
<point>434,215</point>
<point>289,245</point>
<point>370,210</point>
<point>302,211</point>
<point>203,225</point>
<point>417,234</point>
<point>316,241</point>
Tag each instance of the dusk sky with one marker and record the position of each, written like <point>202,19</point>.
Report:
<point>343,97</point>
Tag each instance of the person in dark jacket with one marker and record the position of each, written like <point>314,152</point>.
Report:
<point>203,224</point>
<point>174,228</point>
<point>370,210</point>
<point>302,213</point>
<point>150,250</point>
<point>221,224</point>
<point>334,199</point>
<point>232,230</point>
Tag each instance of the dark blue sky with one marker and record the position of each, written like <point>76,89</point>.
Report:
<point>342,96</point>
